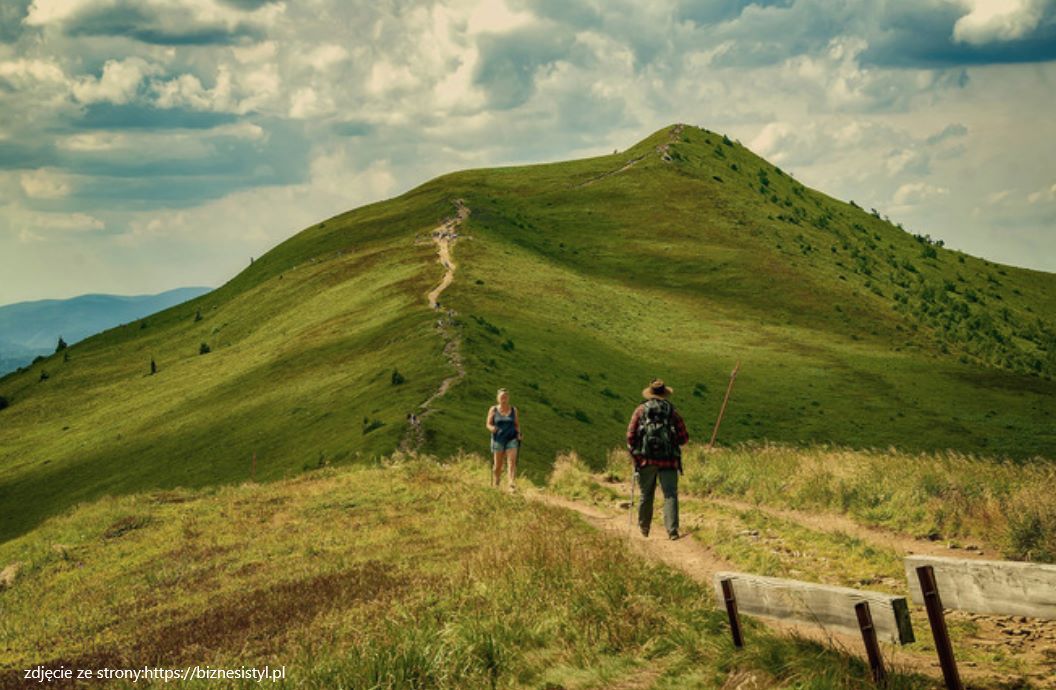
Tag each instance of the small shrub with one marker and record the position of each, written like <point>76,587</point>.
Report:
<point>581,416</point>
<point>4,403</point>
<point>204,349</point>
<point>508,345</point>
<point>370,425</point>
<point>198,315</point>
<point>397,377</point>
<point>153,367</point>
<point>61,345</point>
<point>608,393</point>
<point>44,375</point>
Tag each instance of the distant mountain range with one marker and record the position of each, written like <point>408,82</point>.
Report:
<point>29,329</point>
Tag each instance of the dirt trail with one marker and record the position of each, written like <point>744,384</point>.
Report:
<point>444,236</point>
<point>701,563</point>
<point>663,150</point>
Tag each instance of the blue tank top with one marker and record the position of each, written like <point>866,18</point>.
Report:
<point>505,431</point>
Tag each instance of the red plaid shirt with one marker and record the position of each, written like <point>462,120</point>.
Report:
<point>681,436</point>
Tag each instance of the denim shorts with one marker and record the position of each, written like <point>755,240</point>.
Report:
<point>497,447</point>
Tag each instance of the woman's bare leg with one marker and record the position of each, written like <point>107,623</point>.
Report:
<point>496,469</point>
<point>511,465</point>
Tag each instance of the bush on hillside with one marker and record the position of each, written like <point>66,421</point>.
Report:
<point>397,377</point>
<point>61,345</point>
<point>204,349</point>
<point>44,375</point>
<point>4,403</point>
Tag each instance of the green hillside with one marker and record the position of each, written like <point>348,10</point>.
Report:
<point>576,283</point>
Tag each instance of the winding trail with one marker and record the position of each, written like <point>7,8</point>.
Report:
<point>444,236</point>
<point>663,150</point>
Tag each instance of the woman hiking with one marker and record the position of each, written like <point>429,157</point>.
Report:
<point>504,424</point>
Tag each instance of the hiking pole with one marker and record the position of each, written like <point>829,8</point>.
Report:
<point>722,411</point>
<point>630,508</point>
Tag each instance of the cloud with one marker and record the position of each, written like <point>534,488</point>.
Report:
<point>164,22</point>
<point>45,184</point>
<point>998,20</point>
<point>119,83</point>
<point>951,131</point>
<point>917,192</point>
<point>1042,195</point>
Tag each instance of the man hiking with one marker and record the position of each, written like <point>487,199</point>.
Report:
<point>655,438</point>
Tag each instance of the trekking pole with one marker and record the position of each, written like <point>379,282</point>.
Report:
<point>630,509</point>
<point>722,411</point>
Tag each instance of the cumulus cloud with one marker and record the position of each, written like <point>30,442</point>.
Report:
<point>45,184</point>
<point>119,82</point>
<point>916,193</point>
<point>1042,195</point>
<point>998,20</point>
<point>175,22</point>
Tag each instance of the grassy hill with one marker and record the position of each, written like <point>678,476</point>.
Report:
<point>576,283</point>
<point>370,577</point>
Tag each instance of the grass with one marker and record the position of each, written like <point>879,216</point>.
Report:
<point>753,539</point>
<point>406,575</point>
<point>571,296</point>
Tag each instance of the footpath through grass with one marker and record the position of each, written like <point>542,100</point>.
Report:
<point>412,575</point>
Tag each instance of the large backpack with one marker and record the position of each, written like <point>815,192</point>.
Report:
<point>656,431</point>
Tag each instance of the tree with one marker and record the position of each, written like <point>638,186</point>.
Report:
<point>61,345</point>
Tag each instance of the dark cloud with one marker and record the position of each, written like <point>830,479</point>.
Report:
<point>948,132</point>
<point>248,5</point>
<point>922,35</point>
<point>508,62</point>
<point>16,155</point>
<point>352,128</point>
<point>707,12</point>
<point>173,25</point>
<point>138,116</point>
<point>12,12</point>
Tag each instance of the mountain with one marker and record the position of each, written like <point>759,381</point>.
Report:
<point>29,329</point>
<point>573,284</point>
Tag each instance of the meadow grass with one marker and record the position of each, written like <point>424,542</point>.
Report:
<point>408,575</point>
<point>949,496</point>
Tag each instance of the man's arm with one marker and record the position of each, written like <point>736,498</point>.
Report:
<point>681,434</point>
<point>632,431</point>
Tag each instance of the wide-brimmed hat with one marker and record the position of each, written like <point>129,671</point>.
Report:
<point>657,389</point>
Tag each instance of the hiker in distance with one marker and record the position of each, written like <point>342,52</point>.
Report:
<point>655,438</point>
<point>504,424</point>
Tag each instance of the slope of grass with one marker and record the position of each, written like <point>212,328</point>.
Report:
<point>572,295</point>
<point>402,576</point>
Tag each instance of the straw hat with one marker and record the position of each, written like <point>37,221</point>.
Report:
<point>657,389</point>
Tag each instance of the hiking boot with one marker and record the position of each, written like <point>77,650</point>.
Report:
<point>645,531</point>
<point>673,535</point>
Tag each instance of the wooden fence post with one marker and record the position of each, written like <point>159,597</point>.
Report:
<point>872,647</point>
<point>933,604</point>
<point>731,611</point>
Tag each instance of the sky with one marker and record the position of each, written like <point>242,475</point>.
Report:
<point>151,144</point>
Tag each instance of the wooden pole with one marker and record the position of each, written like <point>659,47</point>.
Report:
<point>731,611</point>
<point>722,411</point>
<point>933,604</point>
<point>872,647</point>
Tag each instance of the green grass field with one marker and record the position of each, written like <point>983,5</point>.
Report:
<point>410,575</point>
<point>573,295</point>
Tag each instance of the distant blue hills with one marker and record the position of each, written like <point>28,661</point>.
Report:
<point>29,329</point>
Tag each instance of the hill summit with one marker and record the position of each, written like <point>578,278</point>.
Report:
<point>571,284</point>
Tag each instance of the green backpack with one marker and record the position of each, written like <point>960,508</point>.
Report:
<point>656,432</point>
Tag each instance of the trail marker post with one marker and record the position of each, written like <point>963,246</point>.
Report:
<point>725,400</point>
